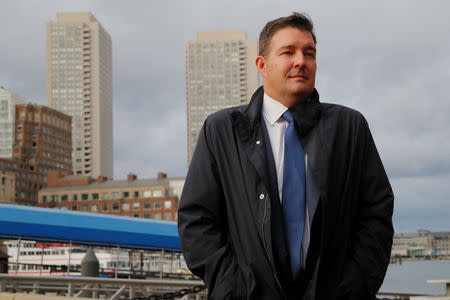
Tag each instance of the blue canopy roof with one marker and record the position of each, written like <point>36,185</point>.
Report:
<point>44,224</point>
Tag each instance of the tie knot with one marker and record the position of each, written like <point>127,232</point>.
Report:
<point>288,116</point>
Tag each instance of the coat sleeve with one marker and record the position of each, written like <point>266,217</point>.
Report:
<point>202,225</point>
<point>372,242</point>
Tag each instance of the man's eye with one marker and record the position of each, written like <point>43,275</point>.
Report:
<point>287,52</point>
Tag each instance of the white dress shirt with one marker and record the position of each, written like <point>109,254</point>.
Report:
<point>272,112</point>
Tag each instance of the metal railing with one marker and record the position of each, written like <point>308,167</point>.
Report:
<point>105,288</point>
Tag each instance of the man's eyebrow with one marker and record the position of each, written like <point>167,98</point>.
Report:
<point>289,47</point>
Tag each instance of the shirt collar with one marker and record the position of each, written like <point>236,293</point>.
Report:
<point>272,110</point>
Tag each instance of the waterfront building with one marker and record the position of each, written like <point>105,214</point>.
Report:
<point>79,83</point>
<point>7,186</point>
<point>422,243</point>
<point>26,182</point>
<point>145,198</point>
<point>220,73</point>
<point>39,139</point>
<point>8,102</point>
<point>441,243</point>
<point>43,138</point>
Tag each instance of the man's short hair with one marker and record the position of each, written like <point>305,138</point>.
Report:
<point>297,20</point>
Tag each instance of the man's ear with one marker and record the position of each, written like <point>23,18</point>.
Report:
<point>261,65</point>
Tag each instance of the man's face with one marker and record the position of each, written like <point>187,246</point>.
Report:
<point>289,67</point>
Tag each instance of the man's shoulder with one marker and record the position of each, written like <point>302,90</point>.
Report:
<point>223,116</point>
<point>341,113</point>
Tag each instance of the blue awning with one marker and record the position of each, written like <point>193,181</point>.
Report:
<point>52,225</point>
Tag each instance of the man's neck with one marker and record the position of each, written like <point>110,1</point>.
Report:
<point>289,100</point>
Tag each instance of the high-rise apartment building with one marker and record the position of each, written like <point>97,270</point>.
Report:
<point>79,83</point>
<point>8,102</point>
<point>220,73</point>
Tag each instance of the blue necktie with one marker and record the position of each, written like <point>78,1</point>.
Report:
<point>293,201</point>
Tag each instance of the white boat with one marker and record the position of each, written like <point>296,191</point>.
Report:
<point>36,258</point>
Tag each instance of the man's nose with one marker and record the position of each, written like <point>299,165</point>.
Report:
<point>299,59</point>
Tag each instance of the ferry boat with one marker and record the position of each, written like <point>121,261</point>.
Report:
<point>36,258</point>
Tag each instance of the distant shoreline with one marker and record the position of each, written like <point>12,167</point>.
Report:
<point>400,259</point>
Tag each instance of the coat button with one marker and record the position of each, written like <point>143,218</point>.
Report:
<point>261,196</point>
<point>258,142</point>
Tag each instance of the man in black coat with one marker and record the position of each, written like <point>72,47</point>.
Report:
<point>233,223</point>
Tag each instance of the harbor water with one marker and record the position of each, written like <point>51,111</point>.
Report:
<point>412,276</point>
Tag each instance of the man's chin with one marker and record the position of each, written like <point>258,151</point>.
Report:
<point>303,91</point>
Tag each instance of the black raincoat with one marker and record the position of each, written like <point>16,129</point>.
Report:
<point>224,216</point>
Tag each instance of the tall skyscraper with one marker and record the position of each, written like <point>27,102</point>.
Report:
<point>8,102</point>
<point>220,72</point>
<point>79,83</point>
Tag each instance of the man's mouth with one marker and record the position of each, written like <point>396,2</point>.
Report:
<point>300,76</point>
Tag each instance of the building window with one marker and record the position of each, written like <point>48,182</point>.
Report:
<point>53,198</point>
<point>136,194</point>
<point>74,197</point>
<point>126,194</point>
<point>125,206</point>
<point>44,199</point>
<point>115,195</point>
<point>136,215</point>
<point>94,196</point>
<point>168,216</point>
<point>157,204</point>
<point>157,193</point>
<point>147,194</point>
<point>74,207</point>
<point>84,207</point>
<point>94,207</point>
<point>115,206</point>
<point>146,204</point>
<point>105,207</point>
<point>167,204</point>
<point>136,205</point>
<point>147,216</point>
<point>64,198</point>
<point>105,196</point>
<point>84,196</point>
<point>157,216</point>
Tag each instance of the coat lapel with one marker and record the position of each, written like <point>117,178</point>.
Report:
<point>251,135</point>
<point>307,117</point>
<point>247,125</point>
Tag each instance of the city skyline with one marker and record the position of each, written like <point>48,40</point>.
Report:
<point>379,58</point>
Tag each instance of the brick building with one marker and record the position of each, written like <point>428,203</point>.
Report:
<point>41,142</point>
<point>26,182</point>
<point>7,186</point>
<point>145,198</point>
<point>43,138</point>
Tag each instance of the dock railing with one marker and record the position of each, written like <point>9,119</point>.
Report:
<point>105,288</point>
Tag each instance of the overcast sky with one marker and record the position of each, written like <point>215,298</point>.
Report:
<point>388,59</point>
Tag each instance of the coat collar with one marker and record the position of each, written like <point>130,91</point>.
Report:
<point>306,115</point>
